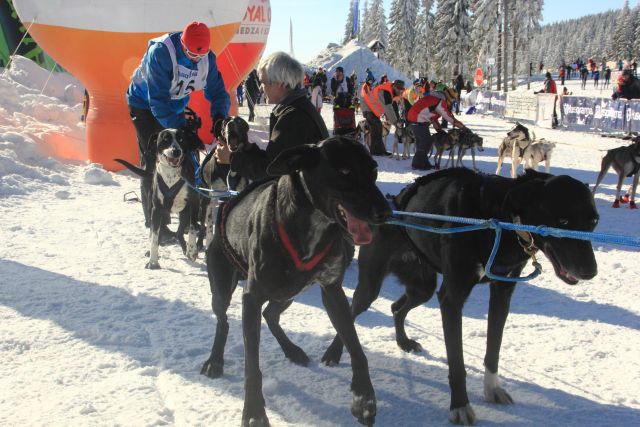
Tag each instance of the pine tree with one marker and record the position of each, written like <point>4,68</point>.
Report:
<point>364,23</point>
<point>402,34</point>
<point>422,52</point>
<point>452,32</point>
<point>623,36</point>
<point>348,27</point>
<point>487,32</point>
<point>377,22</point>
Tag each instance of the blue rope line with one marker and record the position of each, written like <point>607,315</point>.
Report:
<point>543,230</point>
<point>204,192</point>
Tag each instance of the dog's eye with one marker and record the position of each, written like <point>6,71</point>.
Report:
<point>563,221</point>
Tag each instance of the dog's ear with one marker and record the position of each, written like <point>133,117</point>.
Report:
<point>244,126</point>
<point>293,159</point>
<point>217,126</point>
<point>152,144</point>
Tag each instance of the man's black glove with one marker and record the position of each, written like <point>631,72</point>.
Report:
<point>216,129</point>
<point>192,121</point>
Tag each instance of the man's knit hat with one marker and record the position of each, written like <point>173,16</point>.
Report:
<point>196,37</point>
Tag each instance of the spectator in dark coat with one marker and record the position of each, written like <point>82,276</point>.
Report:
<point>459,86</point>
<point>628,86</point>
<point>341,88</point>
<point>607,76</point>
<point>252,92</point>
<point>294,120</point>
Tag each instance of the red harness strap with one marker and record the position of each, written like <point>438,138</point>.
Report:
<point>295,256</point>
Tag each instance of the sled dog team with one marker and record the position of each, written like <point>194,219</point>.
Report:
<point>325,201</point>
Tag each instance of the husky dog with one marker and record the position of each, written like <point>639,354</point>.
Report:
<point>626,162</point>
<point>537,152</point>
<point>517,140</point>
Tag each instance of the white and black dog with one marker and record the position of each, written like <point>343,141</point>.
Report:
<point>169,192</point>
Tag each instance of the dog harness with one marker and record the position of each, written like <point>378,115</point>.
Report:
<point>169,193</point>
<point>285,240</point>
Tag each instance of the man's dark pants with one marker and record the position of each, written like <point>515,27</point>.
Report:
<point>423,146</point>
<point>146,125</point>
<point>375,133</point>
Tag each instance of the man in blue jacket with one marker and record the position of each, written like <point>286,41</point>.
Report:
<point>173,66</point>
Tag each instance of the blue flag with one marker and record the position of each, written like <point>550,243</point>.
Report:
<point>356,18</point>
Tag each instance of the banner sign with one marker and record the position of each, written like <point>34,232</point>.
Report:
<point>498,103</point>
<point>609,114</point>
<point>578,112</point>
<point>633,116</point>
<point>521,105</point>
<point>483,102</point>
<point>546,103</point>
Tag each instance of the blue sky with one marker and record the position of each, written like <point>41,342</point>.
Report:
<point>317,23</point>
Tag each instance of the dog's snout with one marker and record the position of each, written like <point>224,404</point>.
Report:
<point>381,214</point>
<point>176,152</point>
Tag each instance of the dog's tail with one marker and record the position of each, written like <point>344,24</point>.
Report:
<point>141,172</point>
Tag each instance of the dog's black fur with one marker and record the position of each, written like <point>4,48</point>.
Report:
<point>169,194</point>
<point>233,131</point>
<point>626,162</point>
<point>415,256</point>
<point>324,200</point>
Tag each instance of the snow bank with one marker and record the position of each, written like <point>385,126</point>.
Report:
<point>355,56</point>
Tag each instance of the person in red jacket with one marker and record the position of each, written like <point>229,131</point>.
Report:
<point>426,111</point>
<point>550,87</point>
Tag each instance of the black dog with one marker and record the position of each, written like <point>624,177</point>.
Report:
<point>168,191</point>
<point>283,235</point>
<point>415,256</point>
<point>234,132</point>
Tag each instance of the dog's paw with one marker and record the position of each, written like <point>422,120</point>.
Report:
<point>464,416</point>
<point>152,265</point>
<point>498,395</point>
<point>212,369</point>
<point>255,418</point>
<point>410,346</point>
<point>332,356</point>
<point>363,407</point>
<point>297,356</point>
<point>192,253</point>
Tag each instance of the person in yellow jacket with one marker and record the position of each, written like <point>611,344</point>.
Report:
<point>376,102</point>
<point>413,93</point>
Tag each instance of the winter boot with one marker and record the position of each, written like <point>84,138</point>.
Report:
<point>632,205</point>
<point>616,203</point>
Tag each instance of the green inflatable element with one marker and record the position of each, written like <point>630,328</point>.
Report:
<point>12,32</point>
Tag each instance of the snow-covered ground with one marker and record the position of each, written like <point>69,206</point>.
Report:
<point>89,337</point>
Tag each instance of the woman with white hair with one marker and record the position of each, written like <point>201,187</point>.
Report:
<point>294,120</point>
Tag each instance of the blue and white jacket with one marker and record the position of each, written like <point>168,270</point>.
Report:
<point>165,78</point>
